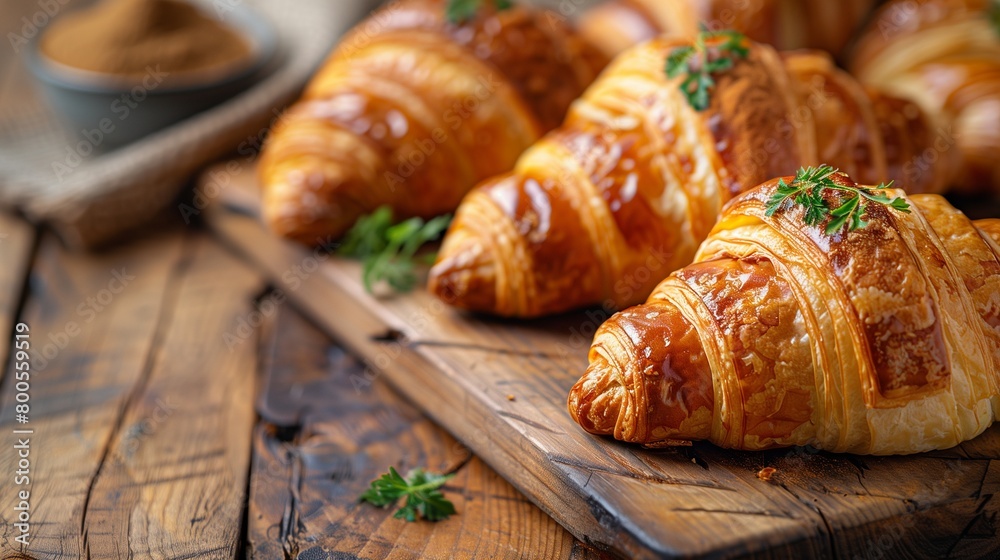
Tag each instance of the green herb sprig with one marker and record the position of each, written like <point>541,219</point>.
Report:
<point>387,251</point>
<point>807,190</point>
<point>460,11</point>
<point>700,61</point>
<point>421,490</point>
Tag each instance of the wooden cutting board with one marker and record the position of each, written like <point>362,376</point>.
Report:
<point>500,387</point>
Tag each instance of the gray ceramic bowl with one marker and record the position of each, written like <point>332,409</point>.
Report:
<point>110,115</point>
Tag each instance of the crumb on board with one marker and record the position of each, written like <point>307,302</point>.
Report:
<point>511,397</point>
<point>667,443</point>
<point>766,473</point>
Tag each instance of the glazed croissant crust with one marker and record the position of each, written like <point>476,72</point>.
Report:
<point>945,55</point>
<point>412,110</point>
<point>881,340</point>
<point>603,208</point>
<point>786,24</point>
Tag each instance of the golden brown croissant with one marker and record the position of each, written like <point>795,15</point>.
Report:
<point>880,340</point>
<point>786,24</point>
<point>945,55</point>
<point>412,110</point>
<point>603,208</point>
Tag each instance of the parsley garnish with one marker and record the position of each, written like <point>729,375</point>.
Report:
<point>807,190</point>
<point>460,11</point>
<point>388,251</point>
<point>420,489</point>
<point>713,52</point>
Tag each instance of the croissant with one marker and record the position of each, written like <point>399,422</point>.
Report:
<point>412,110</point>
<point>603,208</point>
<point>881,340</point>
<point>786,24</point>
<point>945,55</point>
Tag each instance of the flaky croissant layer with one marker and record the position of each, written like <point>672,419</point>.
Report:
<point>945,55</point>
<point>881,340</point>
<point>604,207</point>
<point>411,110</point>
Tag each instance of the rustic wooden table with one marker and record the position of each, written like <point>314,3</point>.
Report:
<point>178,411</point>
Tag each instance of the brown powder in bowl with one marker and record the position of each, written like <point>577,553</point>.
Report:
<point>124,37</point>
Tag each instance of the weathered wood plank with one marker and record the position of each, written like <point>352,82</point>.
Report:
<point>93,320</point>
<point>327,431</point>
<point>923,506</point>
<point>700,501</point>
<point>174,482</point>
<point>591,486</point>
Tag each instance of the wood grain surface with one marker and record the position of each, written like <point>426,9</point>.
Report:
<point>91,348</point>
<point>700,501</point>
<point>150,360</point>
<point>325,434</point>
<point>174,479</point>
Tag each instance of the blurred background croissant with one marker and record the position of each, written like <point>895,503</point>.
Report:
<point>583,179</point>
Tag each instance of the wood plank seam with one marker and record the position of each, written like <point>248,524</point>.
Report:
<point>216,419</point>
<point>169,300</point>
<point>86,376</point>
<point>17,254</point>
<point>335,443</point>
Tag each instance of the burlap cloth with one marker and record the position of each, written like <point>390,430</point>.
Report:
<point>106,195</point>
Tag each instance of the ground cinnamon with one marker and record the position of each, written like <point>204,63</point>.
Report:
<point>124,37</point>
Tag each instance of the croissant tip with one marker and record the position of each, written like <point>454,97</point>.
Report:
<point>464,277</point>
<point>573,403</point>
<point>312,209</point>
<point>594,401</point>
<point>311,234</point>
